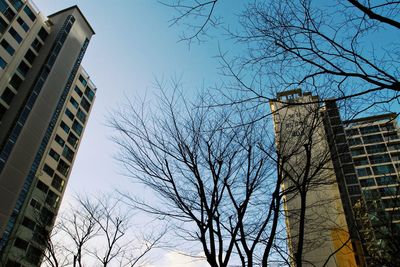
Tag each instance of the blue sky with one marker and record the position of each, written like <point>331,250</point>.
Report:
<point>134,44</point>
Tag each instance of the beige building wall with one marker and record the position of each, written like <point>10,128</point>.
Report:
<point>326,236</point>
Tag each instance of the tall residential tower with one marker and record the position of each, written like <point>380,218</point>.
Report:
<point>45,100</point>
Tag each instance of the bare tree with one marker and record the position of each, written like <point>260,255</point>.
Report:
<point>98,230</point>
<point>219,178</point>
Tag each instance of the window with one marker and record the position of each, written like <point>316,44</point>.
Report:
<point>391,136</point>
<point>371,194</point>
<point>28,223</point>
<point>385,180</point>
<point>17,4</point>
<point>36,44</point>
<point>23,24</point>
<point>72,140</point>
<point>2,111</point>
<point>57,183</point>
<point>369,129</point>
<point>33,255</point>
<point>77,127</point>
<point>3,63</point>
<point>3,25</point>
<point>46,216</point>
<point>30,56</point>
<point>367,182</point>
<point>64,126</point>
<point>364,172</point>
<point>23,68</point>
<point>394,147</point>
<point>361,161</point>
<point>383,169</point>
<point>7,96</point>
<point>69,114</point>
<point>351,132</point>
<point>351,179</point>
<point>15,34</point>
<point>6,10</point>
<point>59,140</point>
<point>388,127</point>
<point>379,159</point>
<point>15,81</point>
<point>40,234</point>
<point>63,167</point>
<point>85,104</point>
<point>89,93</point>
<point>35,204</point>
<point>68,153</point>
<point>354,190</point>
<point>52,199</point>
<point>20,243</point>
<point>81,116</point>
<point>376,138</point>
<point>43,34</point>
<point>354,141</point>
<point>10,50</point>
<point>82,80</point>
<point>78,91</point>
<point>389,191</point>
<point>47,169</point>
<point>376,149</point>
<point>30,13</point>
<point>73,102</point>
<point>54,155</point>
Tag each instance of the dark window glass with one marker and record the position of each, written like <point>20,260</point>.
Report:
<point>36,44</point>
<point>376,149</point>
<point>389,191</point>
<point>23,24</point>
<point>77,127</point>
<point>72,140</point>
<point>376,138</point>
<point>15,81</point>
<point>35,204</point>
<point>7,96</point>
<point>68,153</point>
<point>379,158</point>
<point>54,154</point>
<point>3,25</point>
<point>354,141</point>
<point>78,91</point>
<point>30,56</point>
<point>30,14</point>
<point>6,10</point>
<point>20,243</point>
<point>364,172</point>
<point>73,102</point>
<point>59,140</point>
<point>351,132</point>
<point>33,255</point>
<point>354,190</point>
<point>40,235</point>
<point>81,116</point>
<point>383,169</point>
<point>64,126</point>
<point>11,263</point>
<point>69,114</point>
<point>351,179</point>
<point>57,183</point>
<point>3,63</point>
<point>28,223</point>
<point>23,68</point>
<point>46,216</point>
<point>394,147</point>
<point>47,169</point>
<point>386,180</point>
<point>52,199</point>
<point>42,186</point>
<point>15,34</point>
<point>391,136</point>
<point>89,93</point>
<point>10,50</point>
<point>17,4</point>
<point>63,167</point>
<point>85,104</point>
<point>367,182</point>
<point>369,129</point>
<point>371,194</point>
<point>361,161</point>
<point>3,110</point>
<point>82,80</point>
<point>43,34</point>
<point>388,127</point>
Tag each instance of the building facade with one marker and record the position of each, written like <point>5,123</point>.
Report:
<point>45,100</point>
<point>363,185</point>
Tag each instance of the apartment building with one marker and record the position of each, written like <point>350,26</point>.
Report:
<point>364,163</point>
<point>45,100</point>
